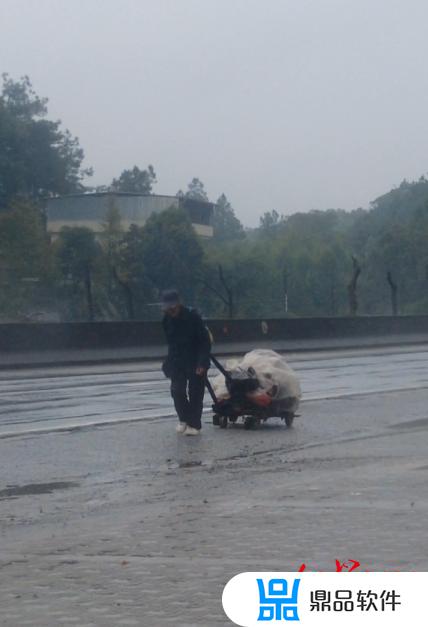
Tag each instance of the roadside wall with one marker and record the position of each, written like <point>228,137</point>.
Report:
<point>94,335</point>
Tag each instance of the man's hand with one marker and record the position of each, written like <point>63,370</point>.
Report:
<point>200,371</point>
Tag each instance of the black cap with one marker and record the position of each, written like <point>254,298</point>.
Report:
<point>170,298</point>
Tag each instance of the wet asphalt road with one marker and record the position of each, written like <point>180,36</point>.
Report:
<point>101,422</point>
<point>49,399</point>
<point>103,507</point>
<point>97,426</point>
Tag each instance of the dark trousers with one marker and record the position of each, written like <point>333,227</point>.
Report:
<point>187,390</point>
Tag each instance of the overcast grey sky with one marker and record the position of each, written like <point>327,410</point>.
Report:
<point>282,104</point>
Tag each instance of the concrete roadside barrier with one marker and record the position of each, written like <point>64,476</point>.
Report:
<point>45,343</point>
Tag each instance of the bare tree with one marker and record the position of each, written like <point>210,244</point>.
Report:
<point>352,287</point>
<point>394,290</point>
<point>227,297</point>
<point>333,299</point>
<point>228,290</point>
<point>88,290</point>
<point>129,296</point>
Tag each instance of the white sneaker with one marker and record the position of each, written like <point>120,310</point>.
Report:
<point>181,427</point>
<point>192,431</point>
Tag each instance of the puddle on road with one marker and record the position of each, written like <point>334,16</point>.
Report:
<point>30,489</point>
<point>421,468</point>
<point>411,424</point>
<point>190,464</point>
<point>178,464</point>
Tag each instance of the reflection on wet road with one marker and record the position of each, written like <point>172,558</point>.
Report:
<point>65,397</point>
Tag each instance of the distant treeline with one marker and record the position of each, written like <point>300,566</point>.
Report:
<point>321,263</point>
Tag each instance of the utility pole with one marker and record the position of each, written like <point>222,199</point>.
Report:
<point>285,287</point>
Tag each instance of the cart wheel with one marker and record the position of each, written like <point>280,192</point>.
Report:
<point>216,420</point>
<point>249,422</point>
<point>222,422</point>
<point>289,418</point>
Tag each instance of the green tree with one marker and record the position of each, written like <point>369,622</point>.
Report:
<point>132,275</point>
<point>25,261</point>
<point>128,288</point>
<point>172,255</point>
<point>37,157</point>
<point>391,238</point>
<point>78,252</point>
<point>23,242</point>
<point>195,190</point>
<point>135,181</point>
<point>240,279</point>
<point>110,239</point>
<point>225,224</point>
<point>270,219</point>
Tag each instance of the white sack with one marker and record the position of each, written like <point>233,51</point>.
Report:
<point>272,371</point>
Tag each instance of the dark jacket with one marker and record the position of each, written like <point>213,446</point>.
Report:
<point>189,343</point>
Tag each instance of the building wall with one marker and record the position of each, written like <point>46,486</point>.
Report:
<point>89,210</point>
<point>203,230</point>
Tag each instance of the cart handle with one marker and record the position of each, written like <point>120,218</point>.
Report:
<point>224,372</point>
<point>211,391</point>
